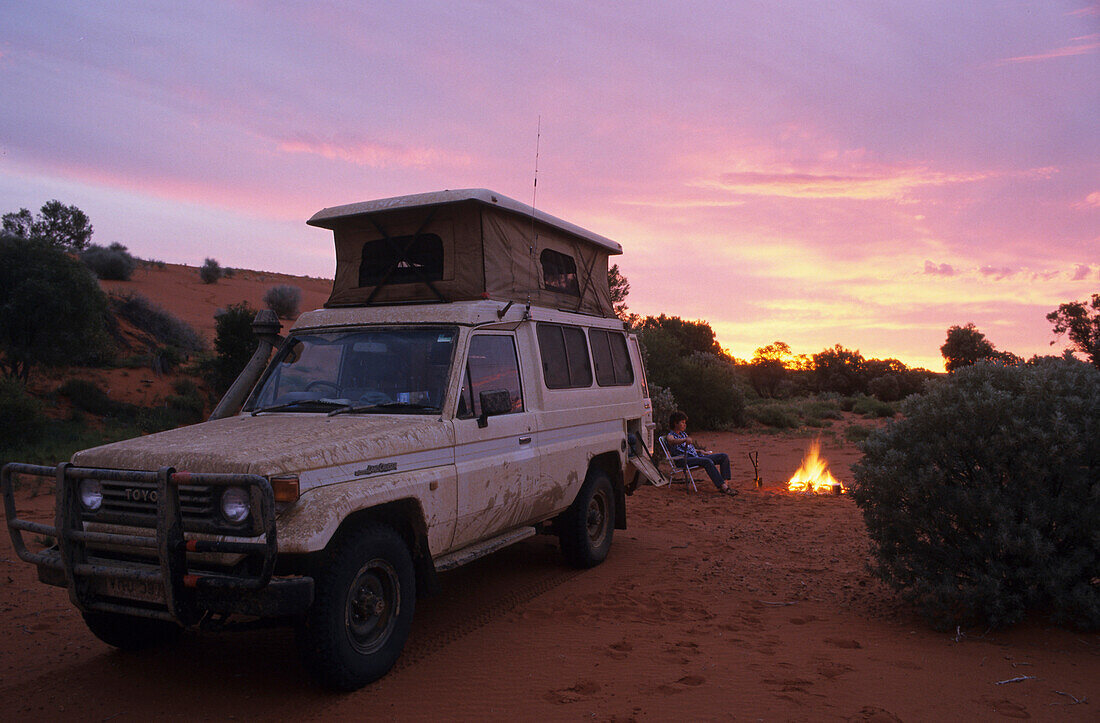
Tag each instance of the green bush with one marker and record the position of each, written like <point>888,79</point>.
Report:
<point>856,433</point>
<point>21,415</point>
<point>89,397</point>
<point>284,300</point>
<point>871,407</point>
<point>156,322</point>
<point>779,416</point>
<point>983,501</point>
<point>113,262</point>
<point>210,271</point>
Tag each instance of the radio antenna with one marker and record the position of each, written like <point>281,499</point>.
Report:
<point>535,185</point>
<point>534,229</point>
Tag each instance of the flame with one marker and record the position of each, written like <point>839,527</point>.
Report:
<point>813,476</point>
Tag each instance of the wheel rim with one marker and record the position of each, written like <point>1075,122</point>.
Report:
<point>372,606</point>
<point>596,519</point>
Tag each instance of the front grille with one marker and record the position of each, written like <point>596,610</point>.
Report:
<point>135,503</point>
<point>139,500</point>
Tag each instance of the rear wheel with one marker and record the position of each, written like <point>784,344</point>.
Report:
<point>362,610</point>
<point>129,632</point>
<point>586,528</point>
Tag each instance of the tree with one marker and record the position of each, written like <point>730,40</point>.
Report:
<point>767,370</point>
<point>234,343</point>
<point>620,288</point>
<point>52,311</point>
<point>966,345</point>
<point>691,335</point>
<point>1083,329</point>
<point>57,225</point>
<point>839,370</point>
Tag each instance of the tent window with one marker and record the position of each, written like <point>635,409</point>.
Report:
<point>559,272</point>
<point>407,260</point>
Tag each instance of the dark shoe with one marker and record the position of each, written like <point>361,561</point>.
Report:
<point>727,490</point>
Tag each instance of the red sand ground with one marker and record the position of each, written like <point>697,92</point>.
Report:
<point>757,607</point>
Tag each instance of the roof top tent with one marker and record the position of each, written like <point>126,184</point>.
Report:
<point>464,245</point>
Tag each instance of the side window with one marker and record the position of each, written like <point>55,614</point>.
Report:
<point>491,366</point>
<point>611,357</point>
<point>559,272</point>
<point>564,353</point>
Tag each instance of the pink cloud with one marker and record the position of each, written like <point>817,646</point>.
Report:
<point>1082,272</point>
<point>375,155</point>
<point>1082,45</point>
<point>866,182</point>
<point>998,273</point>
<point>1092,200</point>
<point>938,269</point>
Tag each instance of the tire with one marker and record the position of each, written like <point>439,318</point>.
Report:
<point>586,528</point>
<point>362,610</point>
<point>129,632</point>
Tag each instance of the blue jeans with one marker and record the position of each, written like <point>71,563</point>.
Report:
<point>712,463</point>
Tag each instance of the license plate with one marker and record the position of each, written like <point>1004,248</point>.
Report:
<point>143,590</point>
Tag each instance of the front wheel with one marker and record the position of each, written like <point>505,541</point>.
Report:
<point>129,632</point>
<point>586,528</point>
<point>362,610</point>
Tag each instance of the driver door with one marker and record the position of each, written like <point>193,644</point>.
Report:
<point>498,461</point>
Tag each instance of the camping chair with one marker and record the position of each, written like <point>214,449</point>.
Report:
<point>679,464</point>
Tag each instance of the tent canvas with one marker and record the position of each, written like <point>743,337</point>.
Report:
<point>464,245</point>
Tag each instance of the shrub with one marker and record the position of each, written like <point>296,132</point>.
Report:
<point>89,397</point>
<point>155,321</point>
<point>21,415</point>
<point>52,311</point>
<point>234,344</point>
<point>284,300</point>
<point>871,407</point>
<point>113,262</point>
<point>982,501</point>
<point>664,404</point>
<point>775,415</point>
<point>856,433</point>
<point>210,271</point>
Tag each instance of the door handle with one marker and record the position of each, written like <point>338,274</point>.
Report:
<point>524,440</point>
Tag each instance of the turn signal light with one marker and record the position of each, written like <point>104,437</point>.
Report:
<point>285,488</point>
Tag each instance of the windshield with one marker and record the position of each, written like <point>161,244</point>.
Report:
<point>386,369</point>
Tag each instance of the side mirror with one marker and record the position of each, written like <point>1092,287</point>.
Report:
<point>492,404</point>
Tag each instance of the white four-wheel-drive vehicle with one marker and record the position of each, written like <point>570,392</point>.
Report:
<point>466,386</point>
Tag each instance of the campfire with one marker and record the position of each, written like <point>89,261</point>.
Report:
<point>814,477</point>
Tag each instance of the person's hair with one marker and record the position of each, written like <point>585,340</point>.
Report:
<point>675,418</point>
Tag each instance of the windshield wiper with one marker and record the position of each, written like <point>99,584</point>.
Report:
<point>386,406</point>
<point>326,403</point>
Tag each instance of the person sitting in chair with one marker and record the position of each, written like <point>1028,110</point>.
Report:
<point>717,464</point>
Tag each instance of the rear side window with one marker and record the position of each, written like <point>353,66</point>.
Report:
<point>564,353</point>
<point>611,358</point>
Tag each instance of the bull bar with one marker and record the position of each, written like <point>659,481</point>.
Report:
<point>113,586</point>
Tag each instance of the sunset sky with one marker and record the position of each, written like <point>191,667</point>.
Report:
<point>857,173</point>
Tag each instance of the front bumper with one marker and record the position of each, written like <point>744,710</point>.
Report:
<point>161,579</point>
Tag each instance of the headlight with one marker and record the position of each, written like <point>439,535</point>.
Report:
<point>236,504</point>
<point>91,494</point>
